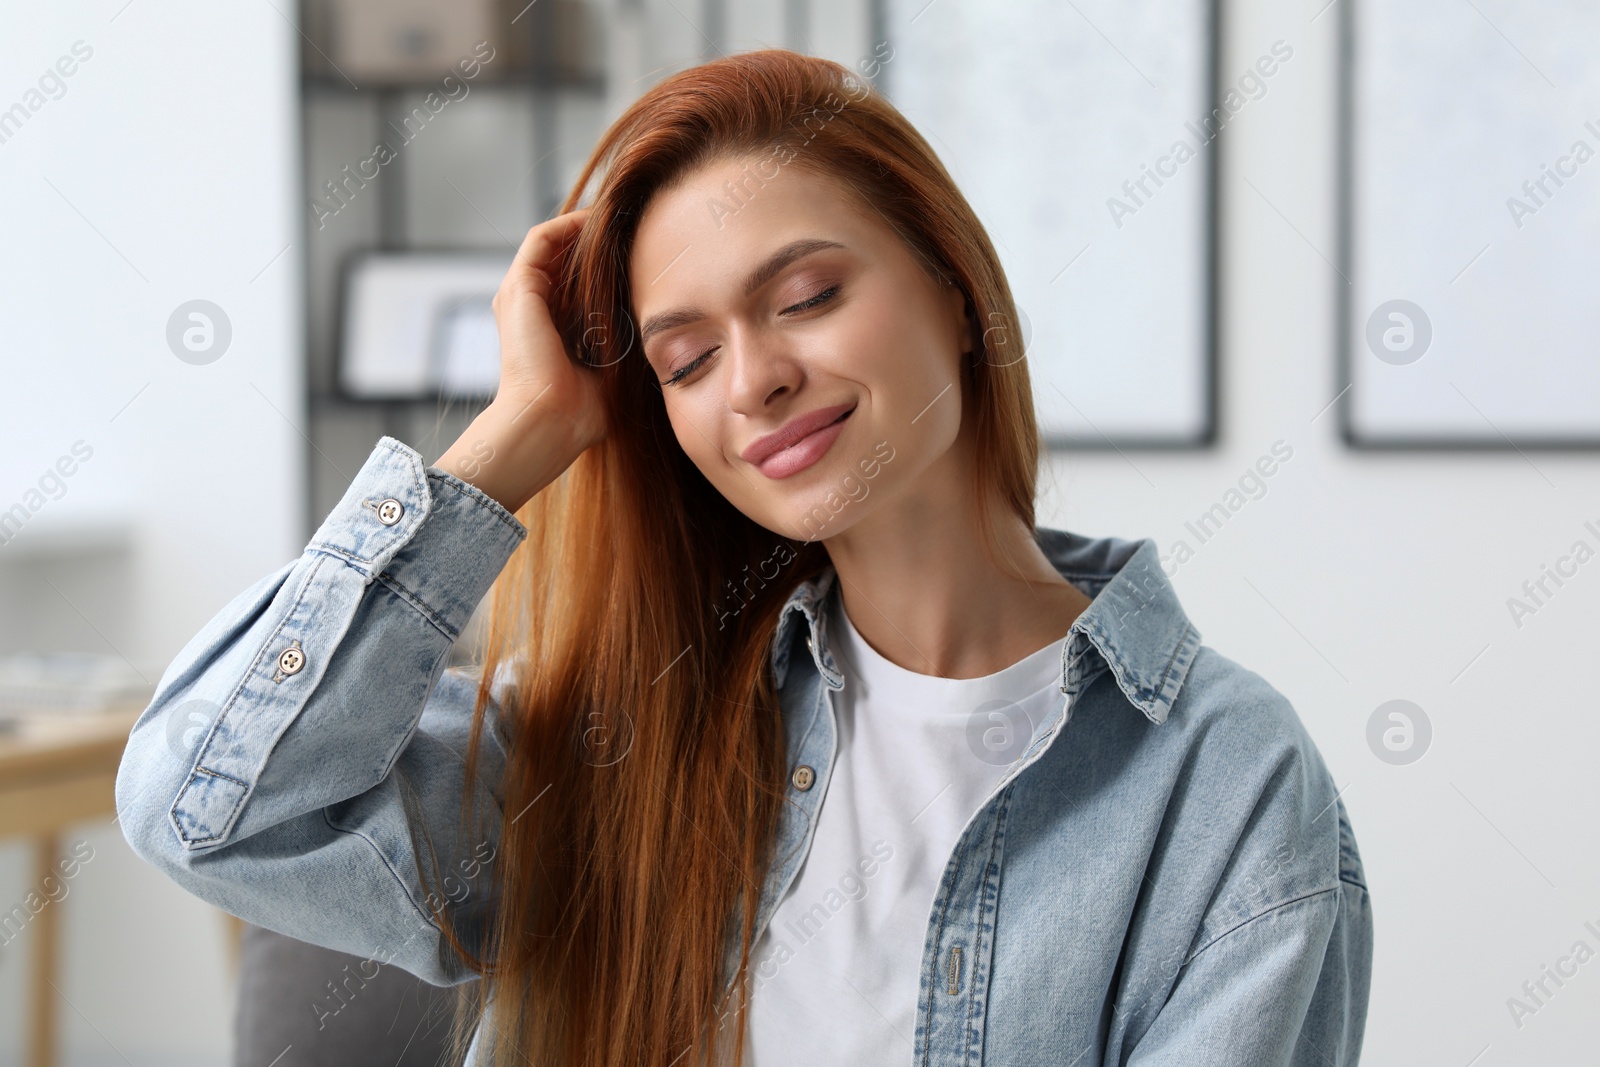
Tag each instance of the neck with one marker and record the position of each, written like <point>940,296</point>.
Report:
<point>922,589</point>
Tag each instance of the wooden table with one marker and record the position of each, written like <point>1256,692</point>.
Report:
<point>56,769</point>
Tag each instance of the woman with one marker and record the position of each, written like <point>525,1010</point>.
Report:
<point>794,739</point>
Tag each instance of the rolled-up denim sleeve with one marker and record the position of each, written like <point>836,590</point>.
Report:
<point>308,738</point>
<point>1287,987</point>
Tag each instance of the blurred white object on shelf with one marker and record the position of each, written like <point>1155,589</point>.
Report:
<point>419,324</point>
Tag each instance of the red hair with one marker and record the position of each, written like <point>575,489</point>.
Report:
<point>643,719</point>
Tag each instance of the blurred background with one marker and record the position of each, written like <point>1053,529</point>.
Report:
<point>1309,297</point>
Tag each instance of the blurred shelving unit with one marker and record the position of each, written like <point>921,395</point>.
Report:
<point>483,108</point>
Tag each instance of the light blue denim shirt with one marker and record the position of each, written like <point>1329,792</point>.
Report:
<point>1164,876</point>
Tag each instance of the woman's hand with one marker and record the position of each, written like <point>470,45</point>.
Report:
<point>547,410</point>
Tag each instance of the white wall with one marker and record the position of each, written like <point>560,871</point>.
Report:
<point>162,170</point>
<point>1361,578</point>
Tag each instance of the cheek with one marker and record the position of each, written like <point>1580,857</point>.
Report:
<point>683,429</point>
<point>694,424</point>
<point>904,344</point>
<point>879,330</point>
<point>918,387</point>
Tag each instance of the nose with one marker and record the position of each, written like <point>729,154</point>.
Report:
<point>761,368</point>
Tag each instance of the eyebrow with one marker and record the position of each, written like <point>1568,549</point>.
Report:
<point>763,274</point>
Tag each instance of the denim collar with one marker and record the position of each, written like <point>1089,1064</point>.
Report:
<point>1135,627</point>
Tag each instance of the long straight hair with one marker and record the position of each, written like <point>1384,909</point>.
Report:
<point>634,627</point>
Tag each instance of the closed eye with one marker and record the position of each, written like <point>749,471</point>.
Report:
<point>688,368</point>
<point>816,301</point>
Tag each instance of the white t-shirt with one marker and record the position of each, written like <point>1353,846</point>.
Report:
<point>834,976</point>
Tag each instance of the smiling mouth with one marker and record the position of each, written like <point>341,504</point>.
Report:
<point>804,452</point>
<point>829,426</point>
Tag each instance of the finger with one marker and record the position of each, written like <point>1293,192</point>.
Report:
<point>546,239</point>
<point>525,319</point>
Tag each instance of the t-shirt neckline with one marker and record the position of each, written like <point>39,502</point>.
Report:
<point>917,693</point>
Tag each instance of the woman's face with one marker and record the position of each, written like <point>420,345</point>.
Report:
<point>772,301</point>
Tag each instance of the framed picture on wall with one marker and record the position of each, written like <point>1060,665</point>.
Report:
<point>1470,200</point>
<point>1095,174</point>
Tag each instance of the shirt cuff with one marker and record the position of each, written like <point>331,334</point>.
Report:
<point>436,540</point>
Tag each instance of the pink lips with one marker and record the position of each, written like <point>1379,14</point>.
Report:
<point>798,443</point>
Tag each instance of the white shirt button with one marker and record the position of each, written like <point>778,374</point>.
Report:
<point>290,660</point>
<point>803,777</point>
<point>389,511</point>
